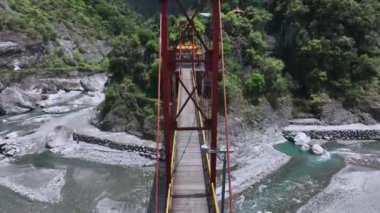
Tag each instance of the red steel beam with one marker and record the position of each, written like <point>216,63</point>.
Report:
<point>214,92</point>
<point>166,81</point>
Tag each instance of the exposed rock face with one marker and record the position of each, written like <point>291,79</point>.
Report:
<point>15,101</point>
<point>371,107</point>
<point>1,87</point>
<point>72,42</point>
<point>67,84</point>
<point>50,85</point>
<point>18,51</point>
<point>94,83</point>
<point>9,150</point>
<point>59,137</point>
<point>333,113</point>
<point>40,86</point>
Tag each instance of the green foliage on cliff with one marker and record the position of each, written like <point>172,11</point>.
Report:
<point>330,46</point>
<point>130,95</point>
<point>98,18</point>
<point>308,47</point>
<point>76,21</point>
<point>246,47</point>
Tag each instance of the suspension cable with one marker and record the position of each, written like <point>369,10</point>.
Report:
<point>226,114</point>
<point>158,130</point>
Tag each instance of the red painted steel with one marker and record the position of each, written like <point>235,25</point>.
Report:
<point>171,61</point>
<point>166,84</point>
<point>214,93</point>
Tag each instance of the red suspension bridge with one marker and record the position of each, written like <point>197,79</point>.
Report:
<point>190,71</point>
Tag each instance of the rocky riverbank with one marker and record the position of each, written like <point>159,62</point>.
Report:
<point>44,92</point>
<point>52,122</point>
<point>353,189</point>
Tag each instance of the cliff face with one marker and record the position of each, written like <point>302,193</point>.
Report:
<point>63,33</point>
<point>18,51</point>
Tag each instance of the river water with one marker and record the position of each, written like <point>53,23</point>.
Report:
<point>89,187</point>
<point>304,176</point>
<point>95,187</point>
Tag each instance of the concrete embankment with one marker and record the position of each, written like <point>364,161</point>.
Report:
<point>143,150</point>
<point>339,132</point>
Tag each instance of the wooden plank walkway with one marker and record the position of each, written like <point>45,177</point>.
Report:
<point>189,190</point>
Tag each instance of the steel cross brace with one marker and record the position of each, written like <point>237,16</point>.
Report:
<point>191,22</point>
<point>188,99</point>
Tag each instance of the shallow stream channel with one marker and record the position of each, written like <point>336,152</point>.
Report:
<point>47,182</point>
<point>305,175</point>
<point>88,187</point>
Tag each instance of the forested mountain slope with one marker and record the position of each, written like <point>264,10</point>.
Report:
<point>308,52</point>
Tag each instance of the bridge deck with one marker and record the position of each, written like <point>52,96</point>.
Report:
<point>189,189</point>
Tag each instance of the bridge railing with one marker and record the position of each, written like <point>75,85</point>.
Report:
<point>173,163</point>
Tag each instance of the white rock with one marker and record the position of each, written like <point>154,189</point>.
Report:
<point>94,83</point>
<point>15,101</point>
<point>59,137</point>
<point>305,147</point>
<point>4,121</point>
<point>57,109</point>
<point>11,135</point>
<point>318,149</point>
<point>68,84</point>
<point>301,138</point>
<point>16,65</point>
<point>13,151</point>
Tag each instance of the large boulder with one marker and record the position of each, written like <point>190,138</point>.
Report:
<point>68,84</point>
<point>38,86</point>
<point>9,150</point>
<point>305,147</point>
<point>60,137</point>
<point>301,139</point>
<point>94,83</point>
<point>15,101</point>
<point>318,149</point>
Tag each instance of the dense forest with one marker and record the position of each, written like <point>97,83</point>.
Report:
<point>302,50</point>
<point>310,48</point>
